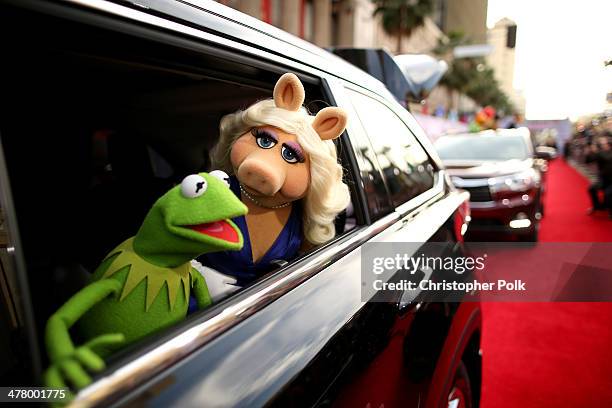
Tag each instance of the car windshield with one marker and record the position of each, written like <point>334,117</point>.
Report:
<point>472,147</point>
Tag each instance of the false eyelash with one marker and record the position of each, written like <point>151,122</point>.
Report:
<point>257,132</point>
<point>295,149</point>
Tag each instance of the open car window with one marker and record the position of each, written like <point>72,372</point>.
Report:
<point>94,133</point>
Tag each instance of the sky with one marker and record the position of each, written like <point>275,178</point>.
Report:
<point>561,47</point>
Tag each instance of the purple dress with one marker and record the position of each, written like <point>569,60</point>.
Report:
<point>240,265</point>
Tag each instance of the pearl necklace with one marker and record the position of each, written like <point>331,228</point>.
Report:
<point>251,198</point>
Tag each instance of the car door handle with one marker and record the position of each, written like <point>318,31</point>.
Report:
<point>408,298</point>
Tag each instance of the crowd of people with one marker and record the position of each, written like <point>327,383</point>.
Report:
<point>592,144</point>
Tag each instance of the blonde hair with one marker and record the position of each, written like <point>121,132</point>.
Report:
<point>327,194</point>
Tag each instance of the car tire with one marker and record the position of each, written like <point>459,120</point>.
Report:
<point>460,393</point>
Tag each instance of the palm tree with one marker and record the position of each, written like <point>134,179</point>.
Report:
<point>401,17</point>
<point>446,44</point>
<point>470,76</point>
<point>461,71</point>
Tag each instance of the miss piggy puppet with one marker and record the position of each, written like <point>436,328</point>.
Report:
<point>284,168</point>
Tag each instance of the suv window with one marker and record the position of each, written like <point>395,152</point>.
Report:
<point>97,126</point>
<point>376,194</point>
<point>405,164</point>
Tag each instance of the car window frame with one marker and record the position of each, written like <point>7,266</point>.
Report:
<point>22,299</point>
<point>163,352</point>
<point>356,131</point>
<point>414,202</point>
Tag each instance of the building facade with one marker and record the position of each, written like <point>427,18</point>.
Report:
<point>502,37</point>
<point>308,19</point>
<point>466,16</point>
<point>351,23</point>
<point>338,23</point>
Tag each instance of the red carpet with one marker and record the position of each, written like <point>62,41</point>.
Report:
<point>565,205</point>
<point>552,354</point>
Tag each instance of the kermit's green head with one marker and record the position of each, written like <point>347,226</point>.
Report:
<point>191,219</point>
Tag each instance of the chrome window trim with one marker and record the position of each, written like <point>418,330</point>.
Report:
<point>415,202</point>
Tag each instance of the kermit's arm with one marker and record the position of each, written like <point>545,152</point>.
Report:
<point>200,289</point>
<point>57,337</point>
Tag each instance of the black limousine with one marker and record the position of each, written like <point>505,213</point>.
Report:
<point>107,104</point>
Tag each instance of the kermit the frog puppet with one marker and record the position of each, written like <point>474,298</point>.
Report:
<point>144,284</point>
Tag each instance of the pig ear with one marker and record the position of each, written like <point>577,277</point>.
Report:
<point>289,92</point>
<point>330,123</point>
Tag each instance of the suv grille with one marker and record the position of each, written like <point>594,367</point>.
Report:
<point>481,193</point>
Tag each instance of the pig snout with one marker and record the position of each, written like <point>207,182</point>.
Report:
<point>260,176</point>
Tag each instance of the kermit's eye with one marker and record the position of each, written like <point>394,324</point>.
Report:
<point>193,186</point>
<point>221,175</point>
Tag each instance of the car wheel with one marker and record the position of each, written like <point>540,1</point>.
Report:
<point>460,394</point>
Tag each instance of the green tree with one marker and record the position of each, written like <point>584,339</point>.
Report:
<point>471,76</point>
<point>460,71</point>
<point>401,17</point>
<point>485,90</point>
<point>446,44</point>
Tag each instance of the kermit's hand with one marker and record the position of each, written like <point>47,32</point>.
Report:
<point>75,368</point>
